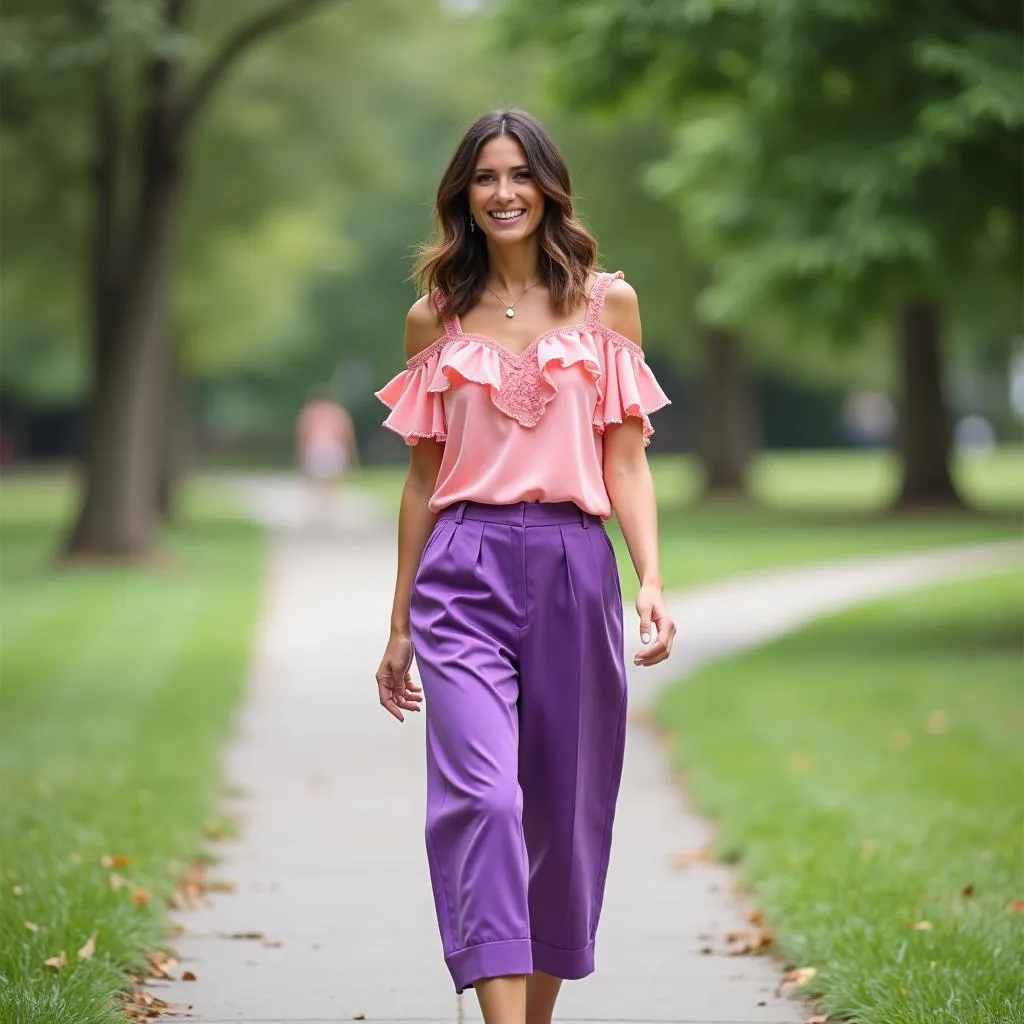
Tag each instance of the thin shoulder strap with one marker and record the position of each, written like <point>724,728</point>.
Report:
<point>599,291</point>
<point>452,324</point>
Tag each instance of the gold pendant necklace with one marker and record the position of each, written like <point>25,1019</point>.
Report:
<point>510,308</point>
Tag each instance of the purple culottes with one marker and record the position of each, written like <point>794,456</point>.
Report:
<point>516,617</point>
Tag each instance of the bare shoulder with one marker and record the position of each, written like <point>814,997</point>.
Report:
<point>422,327</point>
<point>621,310</point>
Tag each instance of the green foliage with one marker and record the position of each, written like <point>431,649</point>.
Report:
<point>831,158</point>
<point>272,168</point>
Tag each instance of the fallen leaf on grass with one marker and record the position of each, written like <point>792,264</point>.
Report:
<point>140,897</point>
<point>189,894</point>
<point>159,964</point>
<point>144,1006</point>
<point>800,976</point>
<point>16,890</point>
<point>116,881</point>
<point>89,948</point>
<point>119,860</point>
<point>922,926</point>
<point>1017,907</point>
<point>32,926</point>
<point>56,963</point>
<point>967,891</point>
<point>685,858</point>
<point>217,828</point>
<point>937,722</point>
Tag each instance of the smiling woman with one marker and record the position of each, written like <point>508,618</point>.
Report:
<point>525,402</point>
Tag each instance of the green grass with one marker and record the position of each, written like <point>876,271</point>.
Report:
<point>811,506</point>
<point>864,772</point>
<point>117,691</point>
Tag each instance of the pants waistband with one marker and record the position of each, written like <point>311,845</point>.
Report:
<point>522,513</point>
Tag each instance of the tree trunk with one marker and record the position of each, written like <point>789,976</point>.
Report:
<point>174,442</point>
<point>925,437</point>
<point>729,420</point>
<point>118,514</point>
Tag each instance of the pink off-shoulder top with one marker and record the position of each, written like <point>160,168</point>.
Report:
<point>525,427</point>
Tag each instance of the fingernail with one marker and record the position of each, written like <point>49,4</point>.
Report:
<point>646,637</point>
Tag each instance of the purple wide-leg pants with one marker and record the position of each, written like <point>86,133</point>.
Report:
<point>516,616</point>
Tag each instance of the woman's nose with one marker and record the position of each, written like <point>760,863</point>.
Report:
<point>505,189</point>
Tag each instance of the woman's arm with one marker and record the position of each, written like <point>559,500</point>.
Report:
<point>415,521</point>
<point>398,692</point>
<point>627,478</point>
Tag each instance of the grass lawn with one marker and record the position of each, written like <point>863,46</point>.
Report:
<point>811,506</point>
<point>867,773</point>
<point>117,691</point>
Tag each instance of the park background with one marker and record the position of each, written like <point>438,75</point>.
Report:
<point>209,212</point>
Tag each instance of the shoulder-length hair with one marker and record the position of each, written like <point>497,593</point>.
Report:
<point>455,262</point>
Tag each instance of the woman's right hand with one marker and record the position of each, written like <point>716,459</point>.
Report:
<point>398,690</point>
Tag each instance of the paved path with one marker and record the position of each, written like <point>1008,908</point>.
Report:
<point>329,870</point>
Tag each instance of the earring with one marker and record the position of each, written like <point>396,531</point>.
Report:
<point>472,225</point>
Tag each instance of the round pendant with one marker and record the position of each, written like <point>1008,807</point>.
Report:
<point>510,313</point>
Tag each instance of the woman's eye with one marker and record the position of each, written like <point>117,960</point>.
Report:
<point>482,179</point>
<point>523,175</point>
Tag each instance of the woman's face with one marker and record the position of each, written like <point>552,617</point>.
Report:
<point>504,200</point>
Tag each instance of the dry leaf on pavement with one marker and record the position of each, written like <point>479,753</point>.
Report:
<point>684,858</point>
<point>752,941</point>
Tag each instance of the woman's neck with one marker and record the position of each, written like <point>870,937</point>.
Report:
<point>513,268</point>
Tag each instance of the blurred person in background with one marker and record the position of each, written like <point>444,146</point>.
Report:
<point>325,448</point>
<point>525,399</point>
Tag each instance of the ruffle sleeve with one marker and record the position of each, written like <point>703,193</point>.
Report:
<point>416,410</point>
<point>628,387</point>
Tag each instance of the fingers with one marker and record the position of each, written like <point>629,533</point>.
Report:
<point>662,646</point>
<point>397,697</point>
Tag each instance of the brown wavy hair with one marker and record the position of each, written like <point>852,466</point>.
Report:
<point>455,262</point>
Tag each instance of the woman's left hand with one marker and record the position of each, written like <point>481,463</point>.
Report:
<point>651,607</point>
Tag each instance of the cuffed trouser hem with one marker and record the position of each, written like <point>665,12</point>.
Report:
<point>489,960</point>
<point>570,964</point>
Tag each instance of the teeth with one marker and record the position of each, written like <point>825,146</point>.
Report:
<point>508,215</point>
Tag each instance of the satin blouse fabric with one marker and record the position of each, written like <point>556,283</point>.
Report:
<point>528,426</point>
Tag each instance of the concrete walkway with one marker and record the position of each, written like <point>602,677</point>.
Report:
<point>331,918</point>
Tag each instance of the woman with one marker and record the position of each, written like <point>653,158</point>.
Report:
<point>525,400</point>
